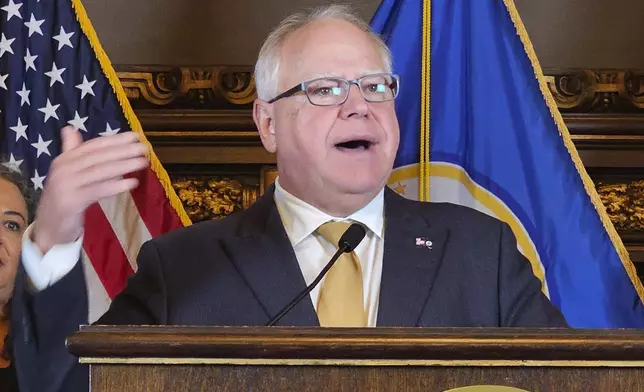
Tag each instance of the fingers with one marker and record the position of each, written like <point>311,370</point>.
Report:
<point>79,158</point>
<point>71,193</point>
<point>97,160</point>
<point>100,173</point>
<point>104,189</point>
<point>83,174</point>
<point>100,145</point>
<point>85,160</point>
<point>71,138</point>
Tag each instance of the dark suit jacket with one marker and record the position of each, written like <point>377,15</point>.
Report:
<point>242,270</point>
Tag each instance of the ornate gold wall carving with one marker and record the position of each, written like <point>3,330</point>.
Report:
<point>615,91</point>
<point>233,88</point>
<point>213,197</point>
<point>218,99</point>
<point>216,197</point>
<point>624,202</point>
<point>218,87</point>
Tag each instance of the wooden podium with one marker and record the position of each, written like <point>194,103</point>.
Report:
<point>383,359</point>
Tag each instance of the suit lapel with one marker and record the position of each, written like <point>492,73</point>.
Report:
<point>410,264</point>
<point>265,258</point>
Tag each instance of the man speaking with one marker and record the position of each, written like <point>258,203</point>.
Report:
<point>325,106</point>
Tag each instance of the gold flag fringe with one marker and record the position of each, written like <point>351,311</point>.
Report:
<point>135,125</point>
<point>565,135</point>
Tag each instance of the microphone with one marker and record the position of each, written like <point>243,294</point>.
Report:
<point>347,243</point>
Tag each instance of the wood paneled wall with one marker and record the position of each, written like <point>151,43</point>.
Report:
<point>566,33</point>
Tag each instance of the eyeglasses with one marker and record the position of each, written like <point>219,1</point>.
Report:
<point>380,87</point>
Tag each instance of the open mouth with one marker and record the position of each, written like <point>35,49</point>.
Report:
<point>355,145</point>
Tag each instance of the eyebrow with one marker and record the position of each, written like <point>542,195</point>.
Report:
<point>335,75</point>
<point>15,213</point>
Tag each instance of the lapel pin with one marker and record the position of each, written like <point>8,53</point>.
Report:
<point>423,242</point>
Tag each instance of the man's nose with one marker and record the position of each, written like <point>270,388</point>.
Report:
<point>356,104</point>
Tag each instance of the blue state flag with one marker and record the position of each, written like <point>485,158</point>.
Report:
<point>480,128</point>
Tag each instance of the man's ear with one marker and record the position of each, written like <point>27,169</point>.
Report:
<point>263,117</point>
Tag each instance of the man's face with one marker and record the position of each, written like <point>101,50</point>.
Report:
<point>339,154</point>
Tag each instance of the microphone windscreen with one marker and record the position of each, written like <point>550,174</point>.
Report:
<point>352,237</point>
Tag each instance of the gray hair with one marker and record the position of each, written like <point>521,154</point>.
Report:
<point>268,61</point>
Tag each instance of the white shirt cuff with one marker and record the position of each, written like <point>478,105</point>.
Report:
<point>44,271</point>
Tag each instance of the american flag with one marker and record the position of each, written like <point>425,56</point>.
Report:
<point>53,72</point>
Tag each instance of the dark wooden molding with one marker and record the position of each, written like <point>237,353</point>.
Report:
<point>210,122</point>
<point>351,343</point>
<point>123,359</point>
<point>604,124</point>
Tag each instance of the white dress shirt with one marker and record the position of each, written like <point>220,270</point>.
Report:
<point>45,270</point>
<point>313,252</point>
<point>300,220</point>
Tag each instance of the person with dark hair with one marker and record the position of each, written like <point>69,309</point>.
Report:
<point>16,209</point>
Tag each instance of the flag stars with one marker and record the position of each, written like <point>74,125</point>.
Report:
<point>49,110</point>
<point>13,164</point>
<point>24,95</point>
<point>3,81</point>
<point>56,75</point>
<point>34,25</point>
<point>400,188</point>
<point>5,45</point>
<point>78,122</point>
<point>12,9</point>
<point>86,87</point>
<point>30,61</point>
<point>63,38</point>
<point>42,146</point>
<point>20,130</point>
<point>109,131</point>
<point>38,180</point>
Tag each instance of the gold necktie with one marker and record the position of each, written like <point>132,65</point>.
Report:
<point>340,303</point>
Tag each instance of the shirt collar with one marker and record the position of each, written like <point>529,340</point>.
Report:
<point>300,219</point>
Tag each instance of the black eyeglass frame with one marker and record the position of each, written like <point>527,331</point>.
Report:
<point>304,85</point>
